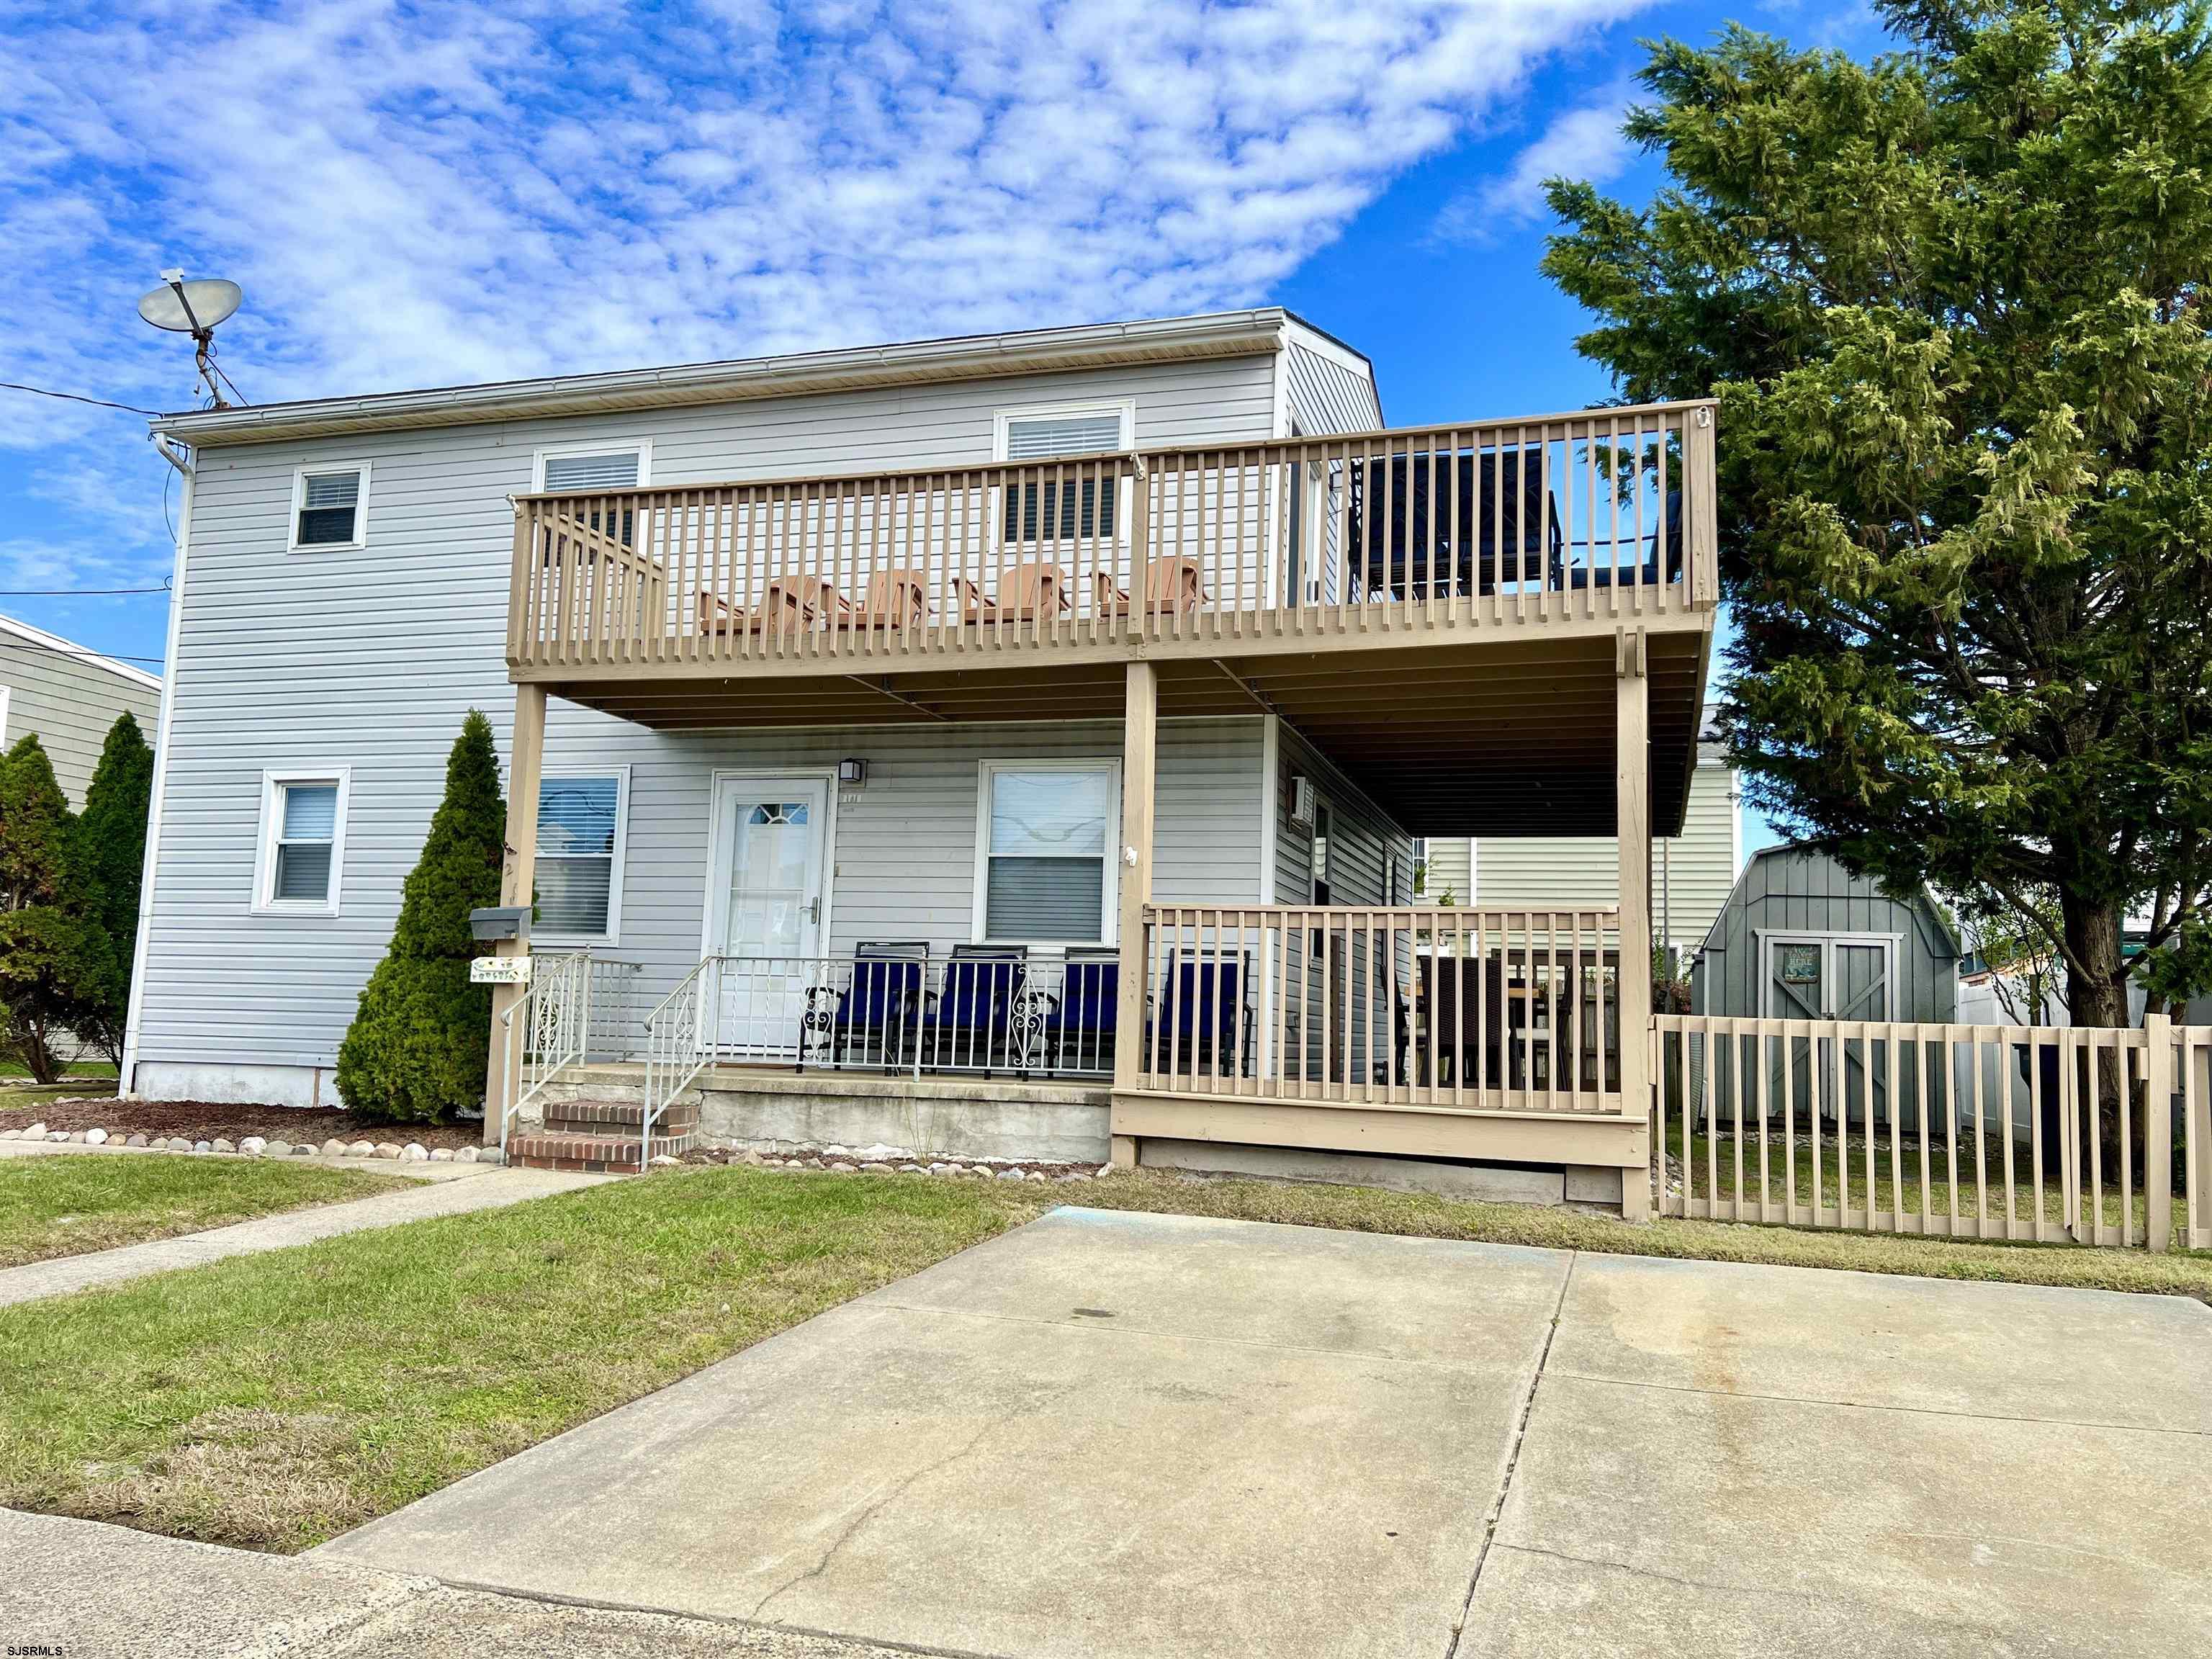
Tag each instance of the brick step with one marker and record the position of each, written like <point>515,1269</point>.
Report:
<point>598,1154</point>
<point>600,1117</point>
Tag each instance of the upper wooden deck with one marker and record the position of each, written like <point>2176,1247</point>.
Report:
<point>1560,526</point>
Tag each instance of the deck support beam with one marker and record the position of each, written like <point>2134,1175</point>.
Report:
<point>517,883</point>
<point>1139,755</point>
<point>1631,786</point>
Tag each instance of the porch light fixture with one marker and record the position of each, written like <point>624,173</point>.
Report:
<point>853,771</point>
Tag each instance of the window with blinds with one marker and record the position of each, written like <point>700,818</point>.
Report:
<point>1048,839</point>
<point>303,828</point>
<point>328,506</point>
<point>606,469</point>
<point>579,833</point>
<point>1053,509</point>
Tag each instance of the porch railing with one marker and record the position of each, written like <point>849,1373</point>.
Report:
<point>2039,1133</point>
<point>897,1010</point>
<point>1606,514</point>
<point>1432,1009</point>
<point>545,1033</point>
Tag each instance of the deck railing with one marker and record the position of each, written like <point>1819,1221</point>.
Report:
<point>2048,1134</point>
<point>1433,1009</point>
<point>1608,513</point>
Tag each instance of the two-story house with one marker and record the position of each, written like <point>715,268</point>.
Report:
<point>1013,744</point>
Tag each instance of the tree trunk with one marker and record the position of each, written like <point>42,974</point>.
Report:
<point>2097,996</point>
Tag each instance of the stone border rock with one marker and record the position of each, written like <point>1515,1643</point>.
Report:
<point>259,1146</point>
<point>893,1160</point>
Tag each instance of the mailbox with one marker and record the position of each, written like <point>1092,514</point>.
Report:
<point>501,921</point>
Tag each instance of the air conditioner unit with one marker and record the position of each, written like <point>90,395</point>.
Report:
<point>1302,803</point>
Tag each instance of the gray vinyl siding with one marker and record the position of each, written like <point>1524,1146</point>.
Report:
<point>1691,873</point>
<point>368,659</point>
<point>70,704</point>
<point>1327,395</point>
<point>1362,836</point>
<point>1450,871</point>
<point>1791,889</point>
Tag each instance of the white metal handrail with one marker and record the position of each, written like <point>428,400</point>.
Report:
<point>674,1053</point>
<point>550,1034</point>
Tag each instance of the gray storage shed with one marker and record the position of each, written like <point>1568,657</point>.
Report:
<point>1802,938</point>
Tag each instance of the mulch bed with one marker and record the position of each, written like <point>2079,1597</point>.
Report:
<point>205,1120</point>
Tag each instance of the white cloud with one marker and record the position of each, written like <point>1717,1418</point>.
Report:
<point>441,193</point>
<point>1584,142</point>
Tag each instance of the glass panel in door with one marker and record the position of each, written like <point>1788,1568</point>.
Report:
<point>770,912</point>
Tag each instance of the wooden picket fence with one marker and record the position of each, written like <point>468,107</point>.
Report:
<point>2049,1135</point>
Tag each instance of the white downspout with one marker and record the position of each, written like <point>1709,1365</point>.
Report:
<point>126,1080</point>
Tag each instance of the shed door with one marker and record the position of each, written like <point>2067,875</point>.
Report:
<point>1831,976</point>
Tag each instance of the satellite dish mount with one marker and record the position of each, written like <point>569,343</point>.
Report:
<point>196,308</point>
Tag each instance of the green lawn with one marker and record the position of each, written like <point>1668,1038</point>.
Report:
<point>275,1401</point>
<point>68,1204</point>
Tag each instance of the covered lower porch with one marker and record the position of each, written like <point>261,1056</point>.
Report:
<point>1210,923</point>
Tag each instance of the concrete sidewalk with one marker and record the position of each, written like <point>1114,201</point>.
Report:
<point>484,1186</point>
<point>81,1587</point>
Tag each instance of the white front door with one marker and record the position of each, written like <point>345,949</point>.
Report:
<point>768,896</point>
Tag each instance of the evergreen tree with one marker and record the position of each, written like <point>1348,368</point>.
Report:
<point>1953,302</point>
<point>58,971</point>
<point>419,1042</point>
<point>111,838</point>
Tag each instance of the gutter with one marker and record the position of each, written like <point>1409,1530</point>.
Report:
<point>126,1073</point>
<point>971,357</point>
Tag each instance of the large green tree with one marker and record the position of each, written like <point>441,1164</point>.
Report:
<point>1951,302</point>
<point>57,972</point>
<point>420,1039</point>
<point>112,841</point>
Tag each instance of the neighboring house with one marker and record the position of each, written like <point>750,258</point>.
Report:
<point>1802,938</point>
<point>69,696</point>
<point>998,744</point>
<point>1691,873</point>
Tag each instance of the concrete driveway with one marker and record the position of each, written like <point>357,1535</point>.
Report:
<point>1124,1434</point>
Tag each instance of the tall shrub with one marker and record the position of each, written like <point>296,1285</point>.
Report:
<point>416,1050</point>
<point>58,971</point>
<point>111,839</point>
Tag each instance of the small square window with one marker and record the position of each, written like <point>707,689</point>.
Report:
<point>1046,842</point>
<point>302,841</point>
<point>330,506</point>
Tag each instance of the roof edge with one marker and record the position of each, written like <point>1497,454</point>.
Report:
<point>75,653</point>
<point>1216,334</point>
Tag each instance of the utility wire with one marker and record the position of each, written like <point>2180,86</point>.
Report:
<point>112,656</point>
<point>78,398</point>
<point>75,592</point>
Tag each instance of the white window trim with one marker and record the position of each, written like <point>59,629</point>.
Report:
<point>605,446</point>
<point>360,539</point>
<point>1109,924</point>
<point>1124,407</point>
<point>264,860</point>
<point>621,776</point>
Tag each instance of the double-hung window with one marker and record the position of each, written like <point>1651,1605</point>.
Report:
<point>302,841</point>
<point>1046,868</point>
<point>330,506</point>
<point>582,817</point>
<point>1054,509</point>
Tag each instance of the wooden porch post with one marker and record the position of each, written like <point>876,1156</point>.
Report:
<point>1633,820</point>
<point>1139,746</point>
<point>518,880</point>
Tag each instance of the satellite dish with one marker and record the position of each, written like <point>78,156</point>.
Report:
<point>192,308</point>
<point>195,308</point>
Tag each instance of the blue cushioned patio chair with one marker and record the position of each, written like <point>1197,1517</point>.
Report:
<point>882,1009</point>
<point>969,1028</point>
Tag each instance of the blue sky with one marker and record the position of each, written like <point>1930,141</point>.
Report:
<point>423,193</point>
